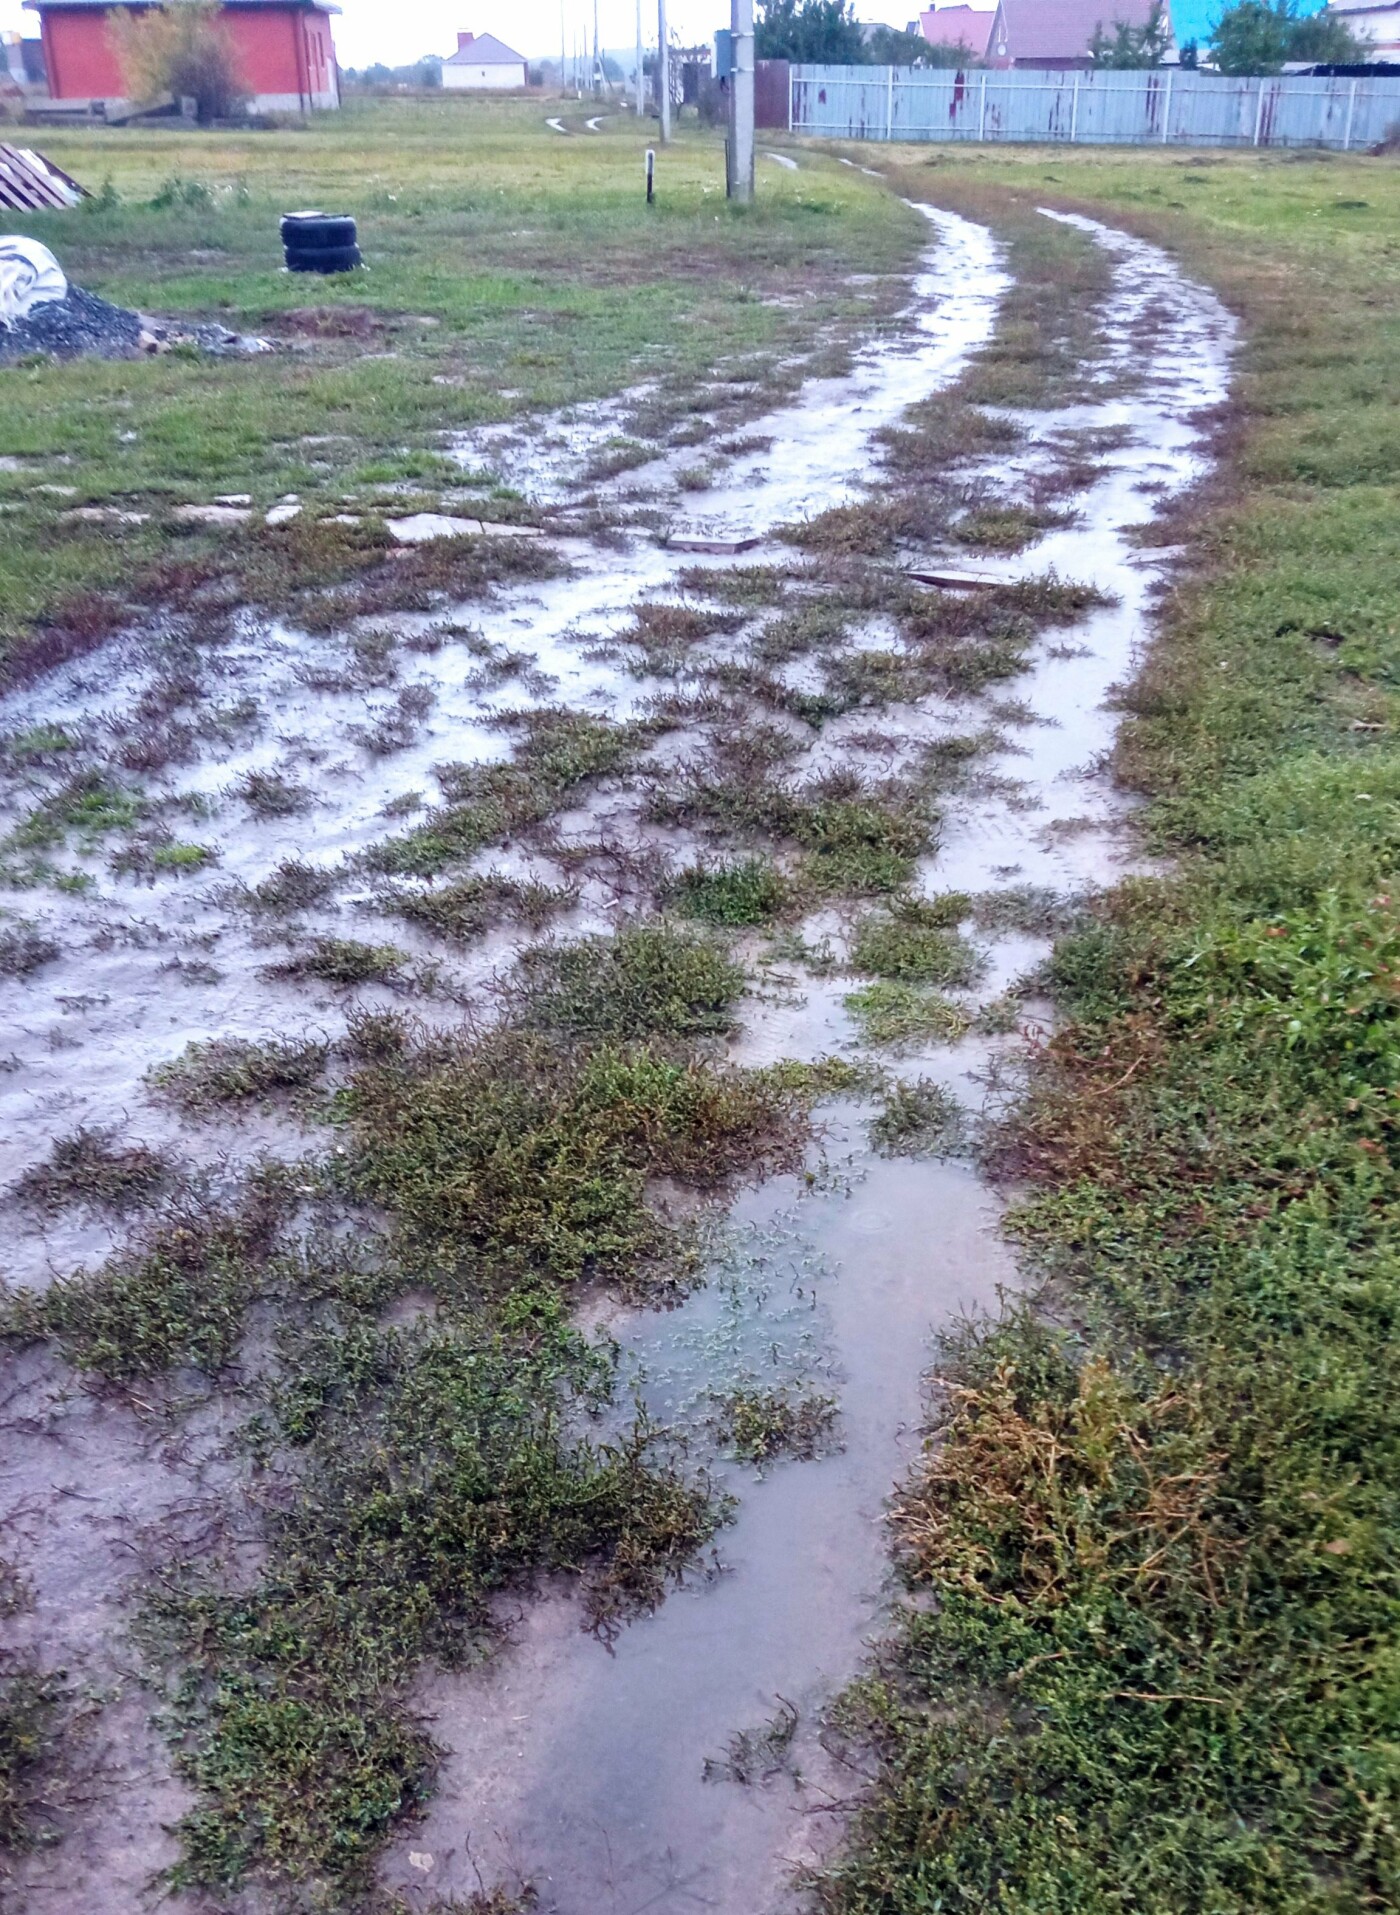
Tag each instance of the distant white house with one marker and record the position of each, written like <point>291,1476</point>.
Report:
<point>1375,21</point>
<point>482,62</point>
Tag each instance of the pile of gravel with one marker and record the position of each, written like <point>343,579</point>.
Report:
<point>84,324</point>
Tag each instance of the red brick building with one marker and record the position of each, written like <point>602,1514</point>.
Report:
<point>284,48</point>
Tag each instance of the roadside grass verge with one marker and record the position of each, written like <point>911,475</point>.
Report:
<point>1160,1526</point>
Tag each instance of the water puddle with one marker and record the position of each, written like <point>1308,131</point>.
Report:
<point>683,1766</point>
<point>577,1764</point>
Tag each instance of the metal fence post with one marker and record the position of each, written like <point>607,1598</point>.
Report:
<point>1074,113</point>
<point>889,106</point>
<point>1351,115</point>
<point>1167,107</point>
<point>982,110</point>
<point>1259,114</point>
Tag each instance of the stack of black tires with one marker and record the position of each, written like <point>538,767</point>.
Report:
<point>319,243</point>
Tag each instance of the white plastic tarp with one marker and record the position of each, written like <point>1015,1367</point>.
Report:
<point>29,275</point>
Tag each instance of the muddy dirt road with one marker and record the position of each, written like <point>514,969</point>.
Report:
<point>680,1763</point>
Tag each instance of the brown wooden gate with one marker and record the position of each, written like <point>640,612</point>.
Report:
<point>770,93</point>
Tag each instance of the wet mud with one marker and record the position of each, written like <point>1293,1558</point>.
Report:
<point>572,1762</point>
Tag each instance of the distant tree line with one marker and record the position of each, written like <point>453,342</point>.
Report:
<point>426,72</point>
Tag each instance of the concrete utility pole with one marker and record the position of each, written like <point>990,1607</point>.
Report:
<point>663,72</point>
<point>563,54</point>
<point>740,181</point>
<point>638,76</point>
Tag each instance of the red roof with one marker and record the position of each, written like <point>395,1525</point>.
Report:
<point>1062,29</point>
<point>960,26</point>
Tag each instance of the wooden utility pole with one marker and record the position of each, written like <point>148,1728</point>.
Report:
<point>663,72</point>
<point>740,181</point>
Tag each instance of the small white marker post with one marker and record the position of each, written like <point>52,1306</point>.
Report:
<point>651,174</point>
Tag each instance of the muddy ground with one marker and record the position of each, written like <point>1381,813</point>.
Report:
<point>877,795</point>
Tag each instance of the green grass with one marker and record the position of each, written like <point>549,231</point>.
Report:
<point>1150,1666</point>
<point>645,981</point>
<point>897,1014</point>
<point>916,943</point>
<point>744,892</point>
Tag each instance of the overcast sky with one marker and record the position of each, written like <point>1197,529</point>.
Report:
<point>374,30</point>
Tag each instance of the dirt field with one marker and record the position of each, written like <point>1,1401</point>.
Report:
<point>574,833</point>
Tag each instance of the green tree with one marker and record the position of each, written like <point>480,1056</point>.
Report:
<point>1123,45</point>
<point>816,32</point>
<point>182,48</point>
<point>1259,36</point>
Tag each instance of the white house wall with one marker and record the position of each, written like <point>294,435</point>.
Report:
<point>494,78</point>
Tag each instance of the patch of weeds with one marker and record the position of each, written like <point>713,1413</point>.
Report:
<point>90,1167</point>
<point>397,726</point>
<point>24,950</point>
<point>179,856</point>
<point>746,585</point>
<point>177,1298</point>
<point>947,764</point>
<point>440,1469</point>
<point>746,891</point>
<point>921,1119</point>
<point>513,1158</point>
<point>759,1425</point>
<point>342,961</point>
<point>869,679</point>
<point>756,1756</point>
<point>486,803</point>
<point>1032,909</point>
<point>892,1013</point>
<point>812,626</point>
<point>859,839</point>
<point>86,807</point>
<point>616,457</point>
<point>290,887</point>
<point>1000,1017</point>
<point>644,981</point>
<point>943,431</point>
<point>38,746</point>
<point>664,632</point>
<point>272,794</point>
<point>220,1071</point>
<point>467,909</point>
<point>914,941</point>
<point>30,1702</point>
<point>1007,528</point>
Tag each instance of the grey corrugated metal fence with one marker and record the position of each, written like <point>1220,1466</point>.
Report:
<point>1164,107</point>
